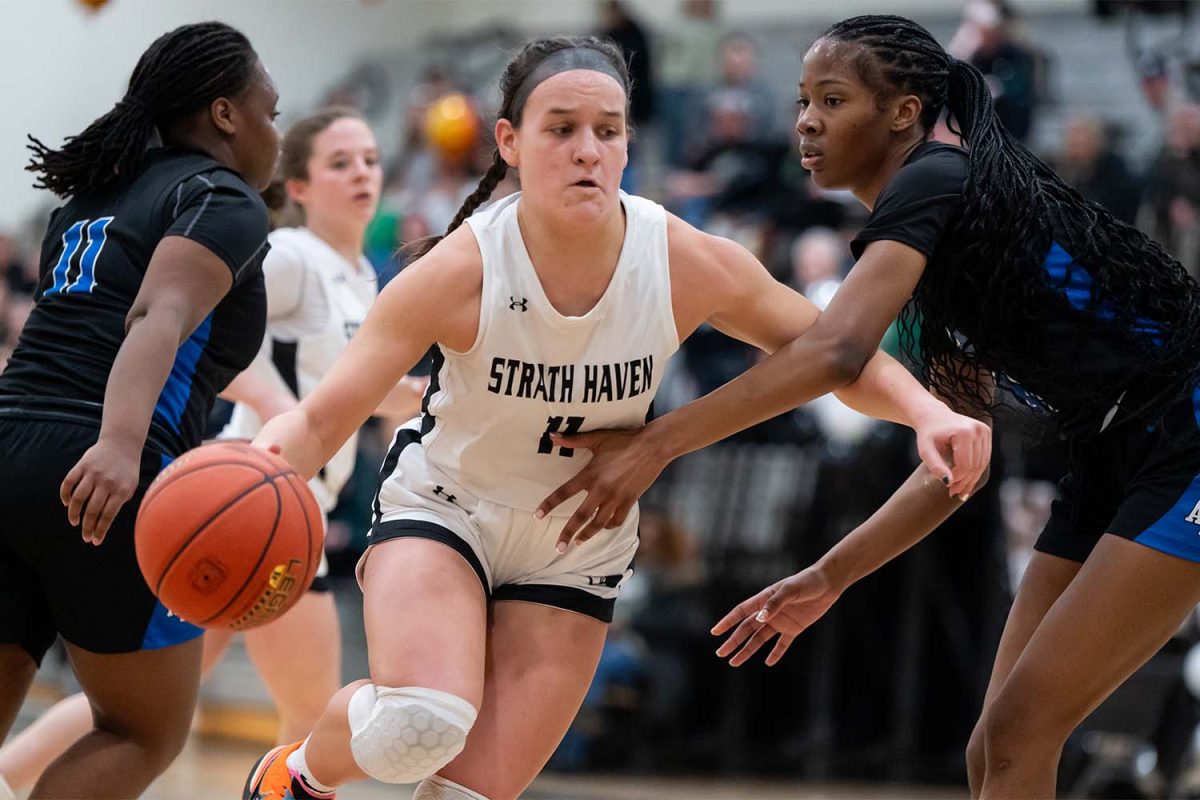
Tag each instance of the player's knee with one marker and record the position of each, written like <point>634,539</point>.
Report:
<point>1014,728</point>
<point>156,740</point>
<point>406,734</point>
<point>435,787</point>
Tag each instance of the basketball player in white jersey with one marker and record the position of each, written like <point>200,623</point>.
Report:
<point>552,311</point>
<point>319,287</point>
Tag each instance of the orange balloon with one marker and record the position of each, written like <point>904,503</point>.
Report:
<point>451,125</point>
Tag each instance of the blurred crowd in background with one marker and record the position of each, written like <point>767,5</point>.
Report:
<point>889,684</point>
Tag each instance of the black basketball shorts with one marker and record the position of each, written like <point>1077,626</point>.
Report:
<point>1137,482</point>
<point>51,581</point>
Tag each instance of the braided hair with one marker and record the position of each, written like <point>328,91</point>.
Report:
<point>986,271</point>
<point>181,73</point>
<point>519,68</point>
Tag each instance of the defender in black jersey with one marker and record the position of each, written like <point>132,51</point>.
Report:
<point>1018,283</point>
<point>150,301</point>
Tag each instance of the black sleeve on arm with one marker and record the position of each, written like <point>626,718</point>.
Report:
<point>916,205</point>
<point>218,210</point>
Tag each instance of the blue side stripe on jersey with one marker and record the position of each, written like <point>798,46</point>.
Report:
<point>71,240</point>
<point>1073,281</point>
<point>173,400</point>
<point>97,235</point>
<point>166,629</point>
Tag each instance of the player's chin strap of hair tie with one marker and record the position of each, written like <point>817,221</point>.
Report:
<point>562,61</point>
<point>138,104</point>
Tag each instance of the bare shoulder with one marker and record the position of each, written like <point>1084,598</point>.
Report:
<point>454,263</point>
<point>699,256</point>
<point>708,273</point>
<point>703,262</point>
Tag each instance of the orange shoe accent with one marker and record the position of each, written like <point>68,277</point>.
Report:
<point>270,778</point>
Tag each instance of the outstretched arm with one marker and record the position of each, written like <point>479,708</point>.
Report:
<point>787,608</point>
<point>826,352</point>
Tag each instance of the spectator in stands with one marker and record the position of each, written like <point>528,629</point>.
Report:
<point>986,39</point>
<point>687,67</point>
<point>1155,80</point>
<point>1090,165</point>
<point>740,71</point>
<point>414,166</point>
<point>625,31</point>
<point>736,167</point>
<point>818,264</point>
<point>1173,188</point>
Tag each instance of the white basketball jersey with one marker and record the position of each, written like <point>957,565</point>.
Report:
<point>533,371</point>
<point>316,300</point>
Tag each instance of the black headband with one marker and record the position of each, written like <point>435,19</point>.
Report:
<point>564,60</point>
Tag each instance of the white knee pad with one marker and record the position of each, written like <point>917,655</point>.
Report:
<point>436,787</point>
<point>404,735</point>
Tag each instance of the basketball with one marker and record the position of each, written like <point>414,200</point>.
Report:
<point>228,536</point>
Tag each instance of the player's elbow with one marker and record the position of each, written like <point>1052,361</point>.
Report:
<point>843,359</point>
<point>167,319</point>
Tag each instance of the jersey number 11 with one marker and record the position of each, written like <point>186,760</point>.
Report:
<point>85,280</point>
<point>546,446</point>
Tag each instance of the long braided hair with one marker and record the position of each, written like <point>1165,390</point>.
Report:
<point>981,282</point>
<point>180,73</point>
<point>525,62</point>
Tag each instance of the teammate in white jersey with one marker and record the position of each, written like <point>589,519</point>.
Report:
<point>319,287</point>
<point>551,312</point>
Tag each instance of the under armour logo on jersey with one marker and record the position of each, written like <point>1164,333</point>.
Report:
<point>611,581</point>
<point>513,305</point>
<point>1194,517</point>
<point>441,491</point>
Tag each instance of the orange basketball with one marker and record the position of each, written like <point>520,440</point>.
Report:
<point>229,536</point>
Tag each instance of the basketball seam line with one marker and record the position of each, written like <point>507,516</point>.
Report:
<point>179,552</point>
<point>262,556</point>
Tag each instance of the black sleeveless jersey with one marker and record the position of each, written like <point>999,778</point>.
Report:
<point>94,257</point>
<point>917,208</point>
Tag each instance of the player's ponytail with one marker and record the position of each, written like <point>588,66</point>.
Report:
<point>181,73</point>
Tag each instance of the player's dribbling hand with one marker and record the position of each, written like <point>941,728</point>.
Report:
<point>955,448</point>
<point>784,609</point>
<point>99,484</point>
<point>623,466</point>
